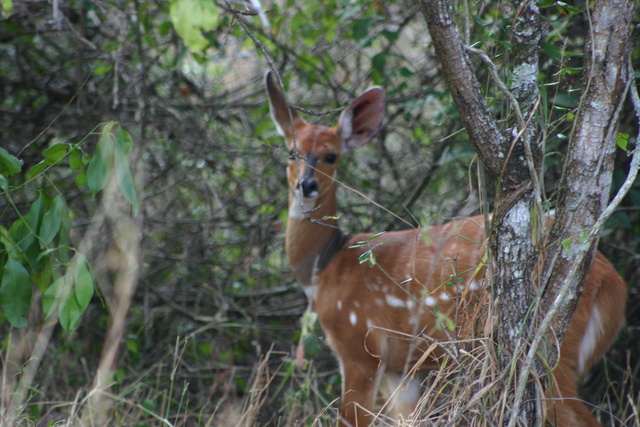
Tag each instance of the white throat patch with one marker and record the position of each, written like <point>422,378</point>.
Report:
<point>299,205</point>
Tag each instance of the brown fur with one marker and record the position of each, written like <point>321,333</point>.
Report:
<point>371,314</point>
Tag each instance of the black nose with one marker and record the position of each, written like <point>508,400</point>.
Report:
<point>309,187</point>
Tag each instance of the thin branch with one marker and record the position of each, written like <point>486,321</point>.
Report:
<point>493,71</point>
<point>463,84</point>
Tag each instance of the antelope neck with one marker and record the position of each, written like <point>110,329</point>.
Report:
<point>312,242</point>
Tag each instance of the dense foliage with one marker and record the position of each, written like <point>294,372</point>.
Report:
<point>190,226</point>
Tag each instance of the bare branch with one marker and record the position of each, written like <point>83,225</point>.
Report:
<point>464,86</point>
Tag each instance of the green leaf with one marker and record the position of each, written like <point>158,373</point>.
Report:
<point>76,158</point>
<point>111,157</point>
<point>9,165</point>
<point>10,244</point>
<point>24,229</point>
<point>64,238</point>
<point>69,314</point>
<point>364,257</point>
<point>4,184</point>
<point>70,294</point>
<point>15,293</point>
<point>566,244</point>
<point>622,140</point>
<point>309,320</point>
<point>571,70</point>
<point>84,283</point>
<point>369,257</point>
<point>50,296</point>
<point>375,236</point>
<point>379,62</point>
<point>392,36</point>
<point>443,320</point>
<point>34,217</point>
<point>132,346</point>
<point>124,141</point>
<point>449,323</point>
<point>311,345</point>
<point>125,180</point>
<point>405,72</point>
<point>568,100</point>
<point>553,51</point>
<point>51,221</point>
<point>36,170</point>
<point>81,178</point>
<point>101,165</point>
<point>149,405</point>
<point>567,9</point>
<point>190,18</point>
<point>55,153</point>
<point>268,209</point>
<point>360,28</point>
<point>7,7</point>
<point>96,173</point>
<point>43,275</point>
<point>123,172</point>
<point>102,69</point>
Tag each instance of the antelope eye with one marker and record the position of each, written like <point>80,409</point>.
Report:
<point>331,158</point>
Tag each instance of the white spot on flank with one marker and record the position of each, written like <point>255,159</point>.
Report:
<point>370,324</point>
<point>356,303</point>
<point>394,301</point>
<point>353,319</point>
<point>378,302</point>
<point>339,304</point>
<point>474,285</point>
<point>590,339</point>
<point>410,303</point>
<point>430,301</point>
<point>445,296</point>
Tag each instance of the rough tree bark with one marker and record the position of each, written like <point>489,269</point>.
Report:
<point>513,157</point>
<point>504,156</point>
<point>588,169</point>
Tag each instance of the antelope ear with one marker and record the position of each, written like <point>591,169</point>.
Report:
<point>362,119</point>
<point>280,110</point>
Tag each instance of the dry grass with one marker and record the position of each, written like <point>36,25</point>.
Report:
<point>277,391</point>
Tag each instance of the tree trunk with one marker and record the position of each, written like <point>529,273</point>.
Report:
<point>513,156</point>
<point>510,243</point>
<point>586,181</point>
